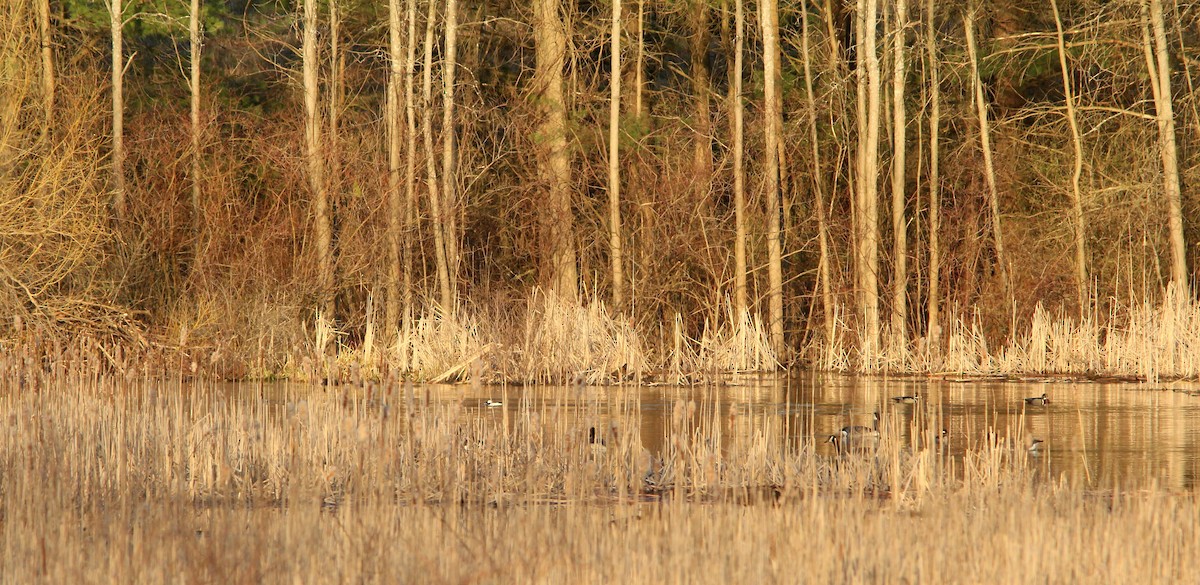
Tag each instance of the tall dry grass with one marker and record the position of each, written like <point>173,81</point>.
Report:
<point>1147,340</point>
<point>140,480</point>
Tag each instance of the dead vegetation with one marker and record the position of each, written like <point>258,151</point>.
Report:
<point>143,480</point>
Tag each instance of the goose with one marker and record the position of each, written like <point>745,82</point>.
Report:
<point>593,438</point>
<point>834,440</point>
<point>942,438</point>
<point>1035,447</point>
<point>860,431</point>
<point>856,437</point>
<point>596,443</point>
<point>906,399</point>
<point>1042,400</point>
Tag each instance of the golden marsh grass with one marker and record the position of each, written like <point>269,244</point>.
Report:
<point>139,480</point>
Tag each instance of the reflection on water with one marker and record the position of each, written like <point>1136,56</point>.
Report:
<point>1096,434</point>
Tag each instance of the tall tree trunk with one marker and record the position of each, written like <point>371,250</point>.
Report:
<point>1160,81</point>
<point>194,85</point>
<point>933,333</point>
<point>336,67</point>
<point>831,15</point>
<point>614,159</point>
<point>550,40</point>
<point>450,150</point>
<point>641,59</point>
<point>445,293</point>
<point>46,36</point>
<point>899,223</point>
<point>1081,277</point>
<point>333,153</point>
<point>702,147</point>
<point>770,30</point>
<point>867,208</point>
<point>739,170</point>
<point>410,158</point>
<point>116,22</point>
<point>985,141</point>
<point>818,182</point>
<point>316,159</point>
<point>395,208</point>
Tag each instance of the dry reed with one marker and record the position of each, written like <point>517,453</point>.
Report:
<point>141,480</point>
<point>1147,341</point>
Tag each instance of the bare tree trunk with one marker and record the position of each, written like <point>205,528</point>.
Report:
<point>739,170</point>
<point>395,209</point>
<point>336,66</point>
<point>558,229</point>
<point>985,141</point>
<point>641,57</point>
<point>935,113</point>
<point>435,199</point>
<point>1081,277</point>
<point>867,209</point>
<point>410,158</point>
<point>614,166</point>
<point>834,60</point>
<point>196,47</point>
<point>860,120</point>
<point>116,23</point>
<point>46,35</point>
<point>770,29</point>
<point>449,149</point>
<point>702,147</point>
<point>1160,81</point>
<point>899,223</point>
<point>818,182</point>
<point>316,158</point>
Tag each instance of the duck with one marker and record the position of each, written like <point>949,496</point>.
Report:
<point>489,403</point>
<point>1042,400</point>
<point>906,399</point>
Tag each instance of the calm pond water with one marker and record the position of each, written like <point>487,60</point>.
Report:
<point>1096,434</point>
<point>1101,435</point>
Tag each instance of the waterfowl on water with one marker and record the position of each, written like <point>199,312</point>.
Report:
<point>906,399</point>
<point>594,438</point>
<point>1035,446</point>
<point>942,438</point>
<point>856,437</point>
<point>492,403</point>
<point>1042,400</point>
<point>860,431</point>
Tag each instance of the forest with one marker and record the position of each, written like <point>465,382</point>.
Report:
<point>592,189</point>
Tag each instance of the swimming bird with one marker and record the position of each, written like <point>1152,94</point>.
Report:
<point>593,438</point>
<point>596,443</point>
<point>860,431</point>
<point>906,399</point>
<point>1042,400</point>
<point>1035,447</point>
<point>856,437</point>
<point>836,441</point>
<point>492,403</point>
<point>942,438</point>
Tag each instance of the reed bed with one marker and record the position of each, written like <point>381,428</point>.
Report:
<point>141,480</point>
<point>1147,341</point>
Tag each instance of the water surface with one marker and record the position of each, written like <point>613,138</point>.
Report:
<point>1102,435</point>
